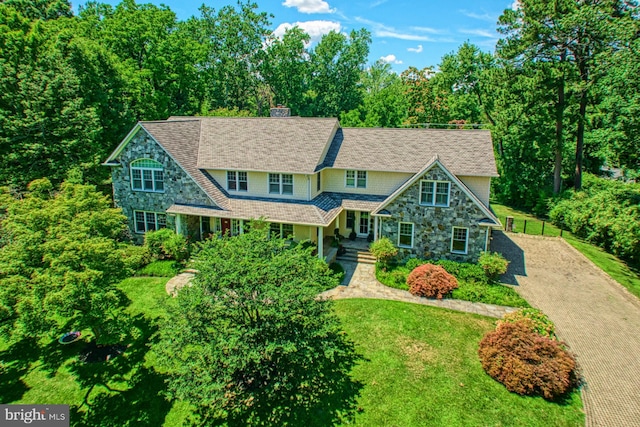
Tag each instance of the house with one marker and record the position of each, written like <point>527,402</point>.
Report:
<point>426,189</point>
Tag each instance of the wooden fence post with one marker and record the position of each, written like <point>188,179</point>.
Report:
<point>524,230</point>
<point>542,233</point>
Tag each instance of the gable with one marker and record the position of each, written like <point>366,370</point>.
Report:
<point>179,186</point>
<point>459,193</point>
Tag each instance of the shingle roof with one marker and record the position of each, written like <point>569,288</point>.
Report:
<point>288,144</point>
<point>320,211</point>
<point>465,152</point>
<point>180,139</point>
<point>305,145</point>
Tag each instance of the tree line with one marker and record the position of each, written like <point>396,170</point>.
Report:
<point>560,92</point>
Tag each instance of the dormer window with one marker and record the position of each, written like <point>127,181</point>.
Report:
<point>147,175</point>
<point>356,179</point>
<point>434,193</point>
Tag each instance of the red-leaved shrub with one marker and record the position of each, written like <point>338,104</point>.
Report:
<point>431,281</point>
<point>526,362</point>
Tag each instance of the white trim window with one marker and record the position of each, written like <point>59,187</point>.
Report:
<point>434,193</point>
<point>281,183</point>
<point>209,226</point>
<point>405,235</point>
<point>147,175</point>
<point>459,240</point>
<point>355,179</point>
<point>280,230</point>
<point>237,227</point>
<point>237,181</point>
<point>149,221</point>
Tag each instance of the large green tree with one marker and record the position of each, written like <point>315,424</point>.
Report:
<point>336,63</point>
<point>384,102</point>
<point>60,257</point>
<point>251,343</point>
<point>570,35</point>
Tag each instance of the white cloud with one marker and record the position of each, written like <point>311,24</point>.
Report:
<point>515,5</point>
<point>309,6</point>
<point>479,33</point>
<point>391,59</point>
<point>377,3</point>
<point>481,16</point>
<point>315,29</point>
<point>381,30</point>
<point>427,30</point>
<point>415,49</point>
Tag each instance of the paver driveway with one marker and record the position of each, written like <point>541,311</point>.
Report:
<point>598,318</point>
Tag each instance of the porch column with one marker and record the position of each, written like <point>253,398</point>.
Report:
<point>179,224</point>
<point>375,228</point>
<point>320,238</point>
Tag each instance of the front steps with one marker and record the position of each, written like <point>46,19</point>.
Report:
<point>357,255</point>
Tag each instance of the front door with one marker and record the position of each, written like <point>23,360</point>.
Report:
<point>226,226</point>
<point>364,224</point>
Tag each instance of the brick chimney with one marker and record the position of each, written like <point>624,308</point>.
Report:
<point>280,111</point>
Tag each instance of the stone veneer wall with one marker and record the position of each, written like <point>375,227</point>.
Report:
<point>433,226</point>
<point>178,186</point>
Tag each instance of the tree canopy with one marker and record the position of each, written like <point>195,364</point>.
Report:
<point>251,342</point>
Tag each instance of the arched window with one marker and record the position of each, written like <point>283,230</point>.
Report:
<point>147,175</point>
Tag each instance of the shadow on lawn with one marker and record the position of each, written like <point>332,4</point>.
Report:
<point>122,391</point>
<point>15,363</point>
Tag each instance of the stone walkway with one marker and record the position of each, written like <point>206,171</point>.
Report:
<point>594,315</point>
<point>360,282</point>
<point>178,282</point>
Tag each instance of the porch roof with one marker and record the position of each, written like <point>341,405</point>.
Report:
<point>319,212</point>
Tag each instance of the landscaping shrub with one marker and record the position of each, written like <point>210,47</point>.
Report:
<point>493,264</point>
<point>165,243</point>
<point>136,257</point>
<point>412,263</point>
<point>605,213</point>
<point>384,250</point>
<point>540,323</point>
<point>488,293</point>
<point>337,268</point>
<point>464,271</point>
<point>431,281</point>
<point>526,362</point>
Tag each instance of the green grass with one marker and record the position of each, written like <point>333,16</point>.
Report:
<point>163,268</point>
<point>468,290</point>
<point>614,267</point>
<point>420,368</point>
<point>127,391</point>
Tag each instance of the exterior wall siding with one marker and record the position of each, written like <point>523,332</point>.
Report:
<point>378,183</point>
<point>433,225</point>
<point>479,185</point>
<point>258,185</point>
<point>178,186</point>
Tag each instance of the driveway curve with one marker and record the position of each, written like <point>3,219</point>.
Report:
<point>594,315</point>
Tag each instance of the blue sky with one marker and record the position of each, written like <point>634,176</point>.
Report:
<point>404,32</point>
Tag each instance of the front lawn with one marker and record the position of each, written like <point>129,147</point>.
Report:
<point>421,368</point>
<point>472,286</point>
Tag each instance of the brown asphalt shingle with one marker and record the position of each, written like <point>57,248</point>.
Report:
<point>286,145</point>
<point>465,152</point>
